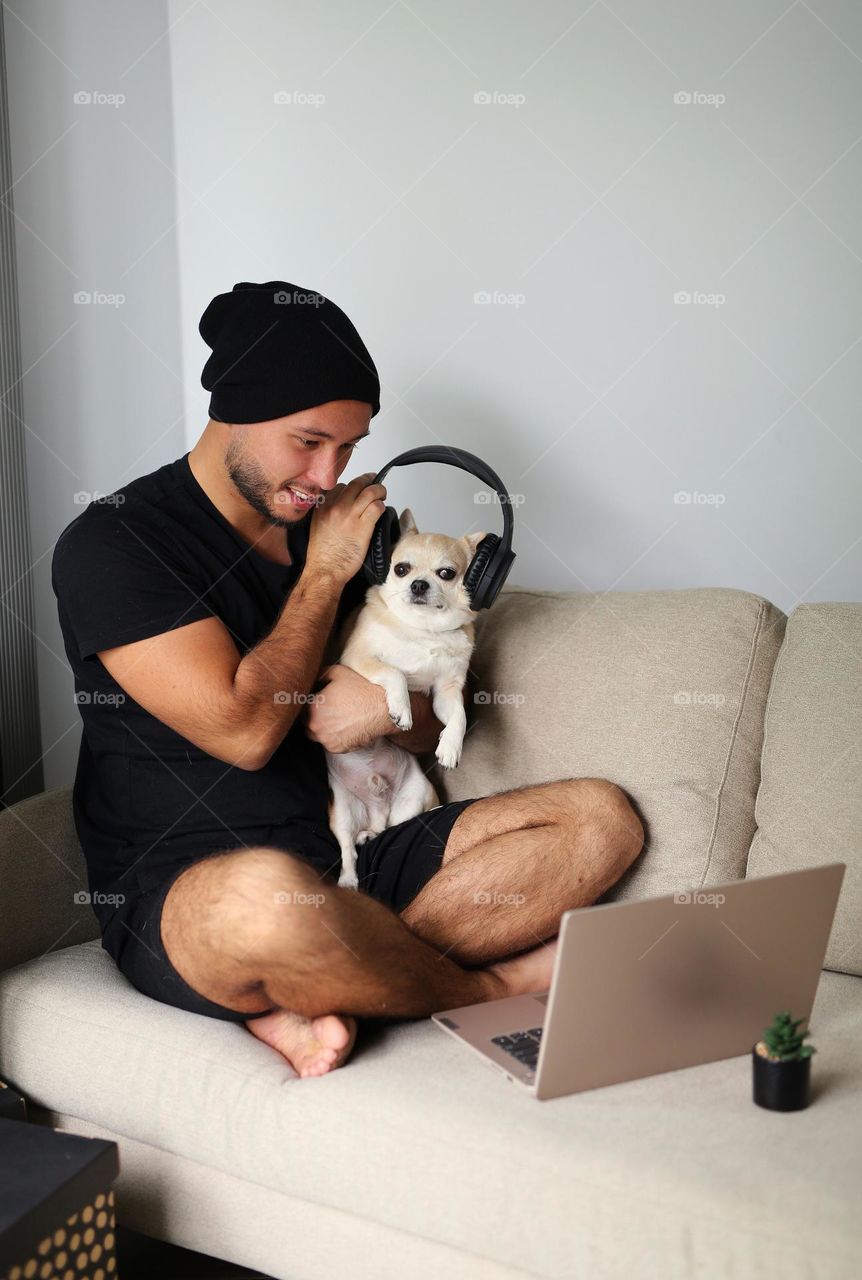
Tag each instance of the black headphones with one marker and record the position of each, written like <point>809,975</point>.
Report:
<point>490,566</point>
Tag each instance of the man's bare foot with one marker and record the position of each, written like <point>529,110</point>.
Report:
<point>531,971</point>
<point>312,1046</point>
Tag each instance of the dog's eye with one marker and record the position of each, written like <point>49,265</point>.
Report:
<point>401,568</point>
<point>447,573</point>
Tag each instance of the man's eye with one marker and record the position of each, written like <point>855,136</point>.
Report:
<point>401,568</point>
<point>447,573</point>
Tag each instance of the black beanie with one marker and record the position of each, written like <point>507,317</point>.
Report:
<point>277,349</point>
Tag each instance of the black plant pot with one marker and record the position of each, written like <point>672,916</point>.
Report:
<point>781,1086</point>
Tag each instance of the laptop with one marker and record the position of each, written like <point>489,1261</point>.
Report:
<point>654,985</point>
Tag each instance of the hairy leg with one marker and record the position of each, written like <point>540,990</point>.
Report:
<point>515,861</point>
<point>257,928</point>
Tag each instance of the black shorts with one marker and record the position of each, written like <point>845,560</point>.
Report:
<point>392,868</point>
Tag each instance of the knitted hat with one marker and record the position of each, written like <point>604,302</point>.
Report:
<point>278,348</point>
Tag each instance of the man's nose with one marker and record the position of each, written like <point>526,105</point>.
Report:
<point>418,586</point>
<point>325,472</point>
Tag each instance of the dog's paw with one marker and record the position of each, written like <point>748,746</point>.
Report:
<point>348,879</point>
<point>401,714</point>
<point>448,753</point>
<point>362,836</point>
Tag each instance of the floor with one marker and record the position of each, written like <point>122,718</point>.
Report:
<point>141,1258</point>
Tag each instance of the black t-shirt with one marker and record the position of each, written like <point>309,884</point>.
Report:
<point>155,556</point>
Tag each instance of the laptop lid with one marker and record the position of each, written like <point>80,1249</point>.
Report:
<point>651,986</point>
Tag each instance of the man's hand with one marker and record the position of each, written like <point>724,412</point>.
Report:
<point>350,712</point>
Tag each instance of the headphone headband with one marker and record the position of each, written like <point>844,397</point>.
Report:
<point>467,462</point>
<point>493,558</point>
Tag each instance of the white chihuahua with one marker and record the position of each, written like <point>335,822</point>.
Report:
<point>416,632</point>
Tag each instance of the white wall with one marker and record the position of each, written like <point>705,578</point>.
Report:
<point>95,205</point>
<point>596,198</point>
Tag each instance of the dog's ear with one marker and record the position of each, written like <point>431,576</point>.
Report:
<point>406,523</point>
<point>471,542</point>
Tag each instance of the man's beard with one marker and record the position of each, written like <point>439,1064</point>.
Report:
<point>252,484</point>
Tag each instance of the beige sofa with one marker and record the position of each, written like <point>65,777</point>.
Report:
<point>738,733</point>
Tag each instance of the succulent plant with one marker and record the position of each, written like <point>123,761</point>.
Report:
<point>783,1042</point>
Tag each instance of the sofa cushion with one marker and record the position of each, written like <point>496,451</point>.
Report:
<point>675,1175</point>
<point>809,806</point>
<point>43,878</point>
<point>662,692</point>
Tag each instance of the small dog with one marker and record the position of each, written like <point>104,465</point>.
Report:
<point>415,631</point>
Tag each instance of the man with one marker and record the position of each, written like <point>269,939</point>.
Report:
<point>196,605</point>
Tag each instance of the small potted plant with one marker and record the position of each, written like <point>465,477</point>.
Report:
<point>782,1065</point>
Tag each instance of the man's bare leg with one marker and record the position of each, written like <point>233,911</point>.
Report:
<point>258,928</point>
<point>514,862</point>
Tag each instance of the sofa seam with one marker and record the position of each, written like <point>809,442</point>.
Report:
<point>779,661</point>
<point>734,733</point>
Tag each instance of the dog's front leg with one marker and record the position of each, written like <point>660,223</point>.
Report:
<point>394,684</point>
<point>448,703</point>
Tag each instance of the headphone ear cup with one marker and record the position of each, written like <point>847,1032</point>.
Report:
<point>385,535</point>
<point>475,572</point>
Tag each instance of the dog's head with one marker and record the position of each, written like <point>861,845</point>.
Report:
<point>425,584</point>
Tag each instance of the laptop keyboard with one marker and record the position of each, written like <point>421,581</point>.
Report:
<point>523,1045</point>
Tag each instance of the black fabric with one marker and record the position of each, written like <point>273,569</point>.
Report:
<point>278,348</point>
<point>155,556</point>
<point>392,868</point>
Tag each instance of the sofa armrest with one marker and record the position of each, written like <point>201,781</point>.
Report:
<point>42,869</point>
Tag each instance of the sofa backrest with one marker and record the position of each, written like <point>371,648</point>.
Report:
<point>44,897</point>
<point>662,692</point>
<point>809,806</point>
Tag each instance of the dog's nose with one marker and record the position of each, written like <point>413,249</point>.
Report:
<point>418,586</point>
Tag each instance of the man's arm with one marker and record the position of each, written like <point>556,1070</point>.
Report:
<point>239,710</point>
<point>351,712</point>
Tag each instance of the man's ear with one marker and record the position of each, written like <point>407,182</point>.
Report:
<point>406,523</point>
<point>471,542</point>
